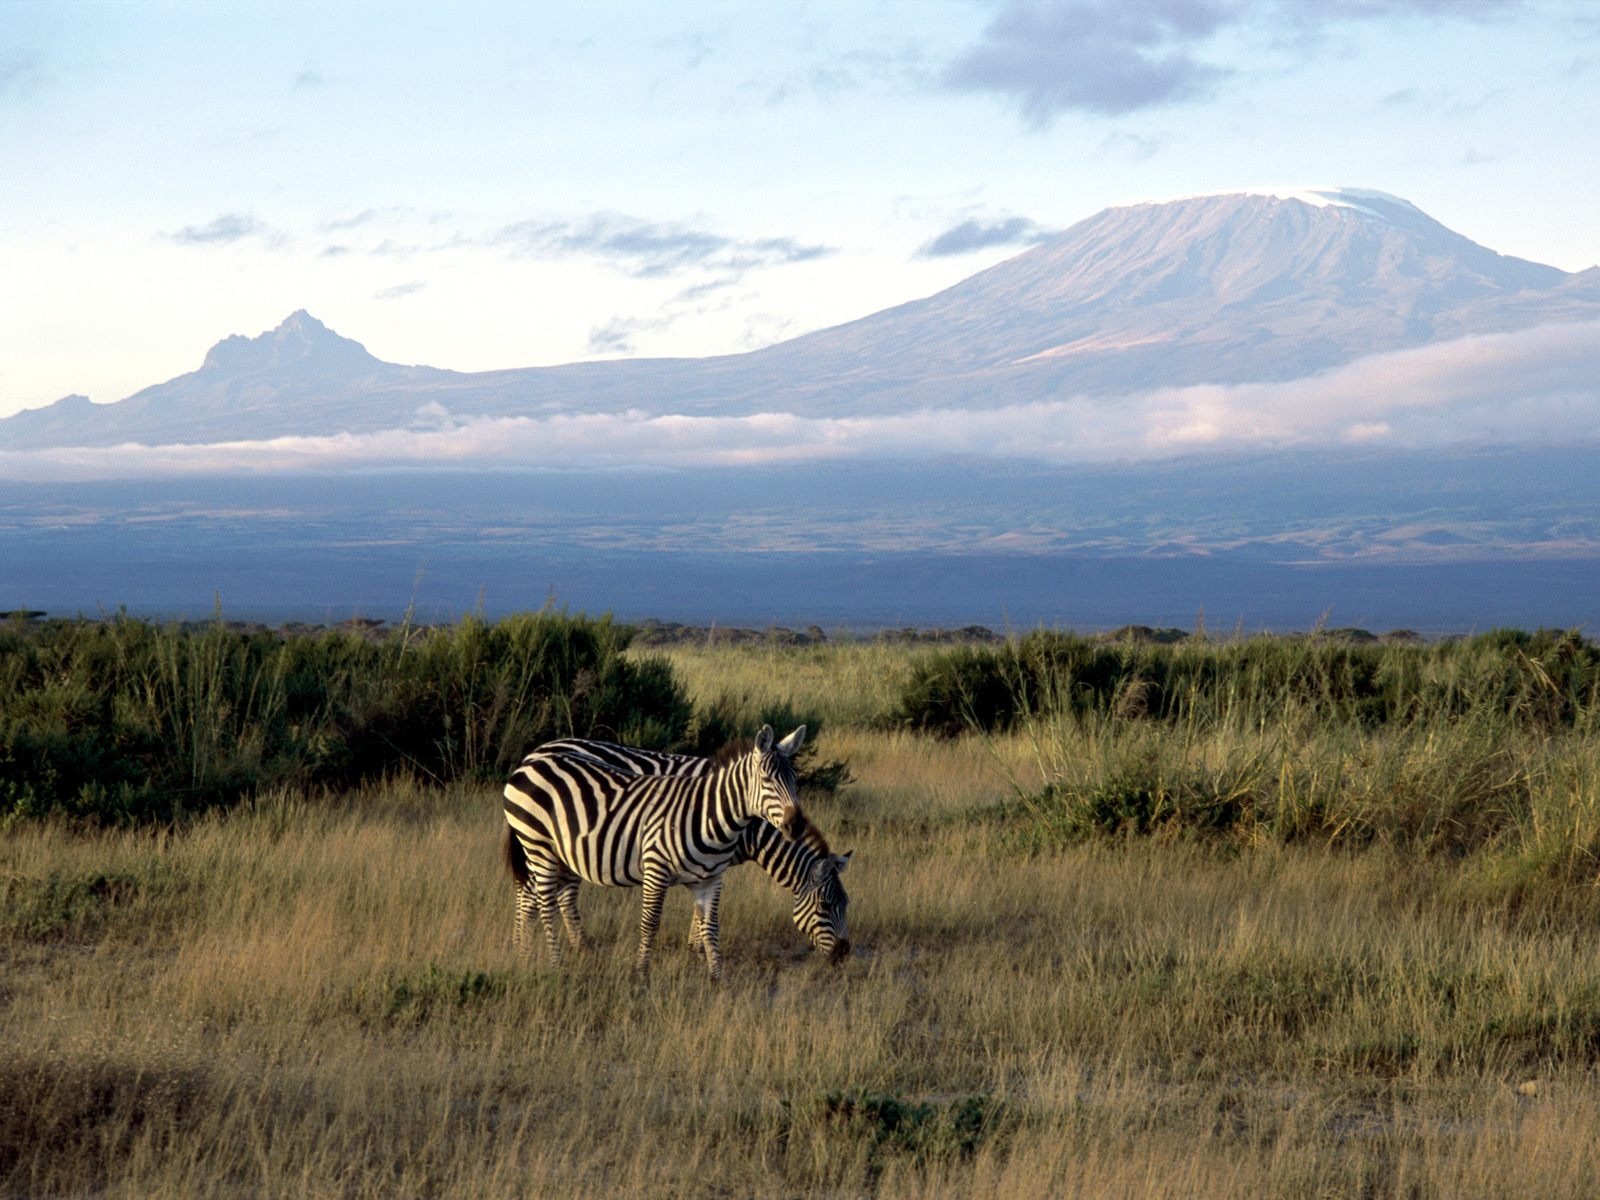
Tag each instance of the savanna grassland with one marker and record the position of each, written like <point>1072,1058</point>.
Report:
<point>1299,917</point>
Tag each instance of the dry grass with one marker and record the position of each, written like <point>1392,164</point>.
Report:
<point>317,998</point>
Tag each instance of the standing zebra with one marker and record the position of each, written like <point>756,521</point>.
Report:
<point>805,865</point>
<point>571,818</point>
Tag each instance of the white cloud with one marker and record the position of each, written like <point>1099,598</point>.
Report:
<point>400,290</point>
<point>1534,386</point>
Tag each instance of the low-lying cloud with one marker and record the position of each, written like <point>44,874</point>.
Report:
<point>1536,386</point>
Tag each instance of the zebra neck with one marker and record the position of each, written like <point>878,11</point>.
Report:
<point>789,863</point>
<point>733,807</point>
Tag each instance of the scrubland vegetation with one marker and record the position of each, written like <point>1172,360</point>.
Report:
<point>1300,917</point>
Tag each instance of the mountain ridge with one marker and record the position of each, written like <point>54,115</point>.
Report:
<point>1228,289</point>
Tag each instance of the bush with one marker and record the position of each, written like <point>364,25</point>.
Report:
<point>125,721</point>
<point>1544,680</point>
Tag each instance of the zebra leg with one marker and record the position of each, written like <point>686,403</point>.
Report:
<point>697,921</point>
<point>567,898</point>
<point>696,925</point>
<point>707,900</point>
<point>655,895</point>
<point>545,889</point>
<point>525,902</point>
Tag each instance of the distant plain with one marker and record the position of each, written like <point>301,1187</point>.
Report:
<point>1438,543</point>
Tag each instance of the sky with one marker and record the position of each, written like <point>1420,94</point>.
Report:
<point>478,186</point>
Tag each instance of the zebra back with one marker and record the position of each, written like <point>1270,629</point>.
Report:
<point>629,758</point>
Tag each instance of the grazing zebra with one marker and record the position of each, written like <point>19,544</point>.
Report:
<point>572,818</point>
<point>805,866</point>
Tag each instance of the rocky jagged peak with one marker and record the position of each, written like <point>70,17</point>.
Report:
<point>299,339</point>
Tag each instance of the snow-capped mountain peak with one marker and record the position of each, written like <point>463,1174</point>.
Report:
<point>1368,201</point>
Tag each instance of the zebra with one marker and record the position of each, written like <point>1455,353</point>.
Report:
<point>571,818</point>
<point>806,866</point>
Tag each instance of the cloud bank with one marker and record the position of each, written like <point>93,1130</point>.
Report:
<point>1093,56</point>
<point>1536,386</point>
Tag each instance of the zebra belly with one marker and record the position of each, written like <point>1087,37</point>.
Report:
<point>692,875</point>
<point>676,855</point>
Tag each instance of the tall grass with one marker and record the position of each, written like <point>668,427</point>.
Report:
<point>841,684</point>
<point>1452,789</point>
<point>1488,745</point>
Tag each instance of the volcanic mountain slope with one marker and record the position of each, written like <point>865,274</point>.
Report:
<point>1212,289</point>
<point>1217,289</point>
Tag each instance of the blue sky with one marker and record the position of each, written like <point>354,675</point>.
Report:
<point>492,185</point>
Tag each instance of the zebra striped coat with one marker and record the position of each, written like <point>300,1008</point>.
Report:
<point>571,818</point>
<point>806,866</point>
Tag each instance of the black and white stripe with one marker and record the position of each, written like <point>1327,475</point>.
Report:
<point>572,818</point>
<point>804,865</point>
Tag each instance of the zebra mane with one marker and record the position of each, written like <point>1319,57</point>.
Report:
<point>733,751</point>
<point>809,834</point>
<point>805,831</point>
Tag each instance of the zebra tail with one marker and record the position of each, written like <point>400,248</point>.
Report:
<point>516,860</point>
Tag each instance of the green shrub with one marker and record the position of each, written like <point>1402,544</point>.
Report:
<point>125,721</point>
<point>1546,680</point>
<point>413,1001</point>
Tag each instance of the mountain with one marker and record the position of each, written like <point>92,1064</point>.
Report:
<point>1217,289</point>
<point>1212,289</point>
<point>278,384</point>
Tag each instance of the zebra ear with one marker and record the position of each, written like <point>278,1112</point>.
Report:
<point>790,746</point>
<point>764,739</point>
<point>841,861</point>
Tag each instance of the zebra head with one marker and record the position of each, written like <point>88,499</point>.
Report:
<point>819,906</point>
<point>779,803</point>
